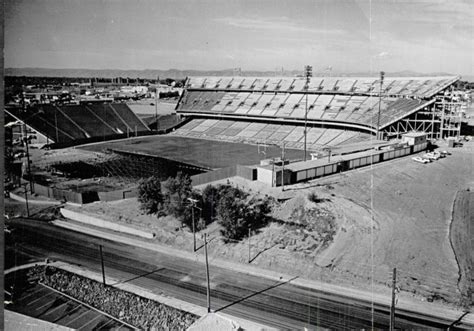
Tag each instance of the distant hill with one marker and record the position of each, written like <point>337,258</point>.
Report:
<point>179,74</point>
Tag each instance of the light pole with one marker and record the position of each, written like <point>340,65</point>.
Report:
<point>382,74</point>
<point>308,72</point>
<point>102,264</point>
<point>328,149</point>
<point>283,166</point>
<point>249,243</point>
<point>193,201</point>
<point>392,307</point>
<point>26,200</point>
<point>208,289</point>
<point>156,104</point>
<point>25,137</point>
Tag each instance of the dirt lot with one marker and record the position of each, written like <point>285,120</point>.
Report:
<point>462,240</point>
<point>367,221</point>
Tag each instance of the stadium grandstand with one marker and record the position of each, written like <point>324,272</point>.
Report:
<point>70,124</point>
<point>338,110</point>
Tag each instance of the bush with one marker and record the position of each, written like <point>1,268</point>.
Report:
<point>237,214</point>
<point>313,197</point>
<point>176,192</point>
<point>209,200</point>
<point>211,196</point>
<point>150,196</point>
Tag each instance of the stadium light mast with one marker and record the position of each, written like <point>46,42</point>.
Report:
<point>25,139</point>
<point>308,72</point>
<point>382,74</point>
<point>156,103</point>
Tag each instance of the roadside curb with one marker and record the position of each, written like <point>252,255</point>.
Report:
<point>24,266</point>
<point>33,201</point>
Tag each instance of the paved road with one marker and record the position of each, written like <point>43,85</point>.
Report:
<point>277,304</point>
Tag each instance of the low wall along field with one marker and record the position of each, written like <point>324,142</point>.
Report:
<point>83,218</point>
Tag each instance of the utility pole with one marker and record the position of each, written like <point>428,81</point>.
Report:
<point>308,71</point>
<point>27,146</point>
<point>193,201</point>
<point>156,104</point>
<point>249,244</point>
<point>273,172</point>
<point>56,123</point>
<point>392,308</point>
<point>382,74</point>
<point>283,167</point>
<point>26,200</point>
<point>102,263</point>
<point>207,276</point>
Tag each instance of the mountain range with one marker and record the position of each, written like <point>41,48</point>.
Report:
<point>180,74</point>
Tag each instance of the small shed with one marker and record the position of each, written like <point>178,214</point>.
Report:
<point>414,138</point>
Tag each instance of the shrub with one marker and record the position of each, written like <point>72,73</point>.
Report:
<point>211,196</point>
<point>150,196</point>
<point>209,201</point>
<point>176,192</point>
<point>237,214</point>
<point>233,216</point>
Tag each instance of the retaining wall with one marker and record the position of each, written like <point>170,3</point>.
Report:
<point>84,197</point>
<point>86,219</point>
<point>211,176</point>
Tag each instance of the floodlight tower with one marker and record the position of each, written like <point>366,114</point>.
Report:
<point>382,74</point>
<point>308,73</point>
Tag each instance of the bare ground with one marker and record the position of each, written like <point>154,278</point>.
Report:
<point>461,240</point>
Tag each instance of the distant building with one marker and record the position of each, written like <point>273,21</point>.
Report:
<point>134,89</point>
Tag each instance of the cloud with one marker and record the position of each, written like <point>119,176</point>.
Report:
<point>282,24</point>
<point>382,55</point>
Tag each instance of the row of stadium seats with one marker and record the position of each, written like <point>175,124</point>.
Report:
<point>344,108</point>
<point>413,86</point>
<point>255,132</point>
<point>64,124</point>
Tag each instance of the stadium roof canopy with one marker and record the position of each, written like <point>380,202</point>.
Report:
<point>423,87</point>
<point>346,102</point>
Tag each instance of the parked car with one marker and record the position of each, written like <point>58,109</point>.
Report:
<point>437,154</point>
<point>431,156</point>
<point>420,159</point>
<point>445,153</point>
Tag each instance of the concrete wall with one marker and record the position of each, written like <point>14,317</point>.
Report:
<point>223,173</point>
<point>84,197</point>
<point>86,219</point>
<point>118,195</point>
<point>264,175</point>
<point>58,194</point>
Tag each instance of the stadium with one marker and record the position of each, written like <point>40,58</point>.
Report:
<point>255,126</point>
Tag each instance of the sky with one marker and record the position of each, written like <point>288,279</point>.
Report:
<point>348,36</point>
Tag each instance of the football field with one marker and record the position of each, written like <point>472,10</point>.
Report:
<point>198,152</point>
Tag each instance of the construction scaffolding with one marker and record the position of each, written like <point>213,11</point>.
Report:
<point>440,119</point>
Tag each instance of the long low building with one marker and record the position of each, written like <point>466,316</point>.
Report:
<point>301,171</point>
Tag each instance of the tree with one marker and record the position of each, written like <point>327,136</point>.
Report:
<point>236,214</point>
<point>211,196</point>
<point>150,196</point>
<point>233,216</point>
<point>177,190</point>
<point>209,201</point>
